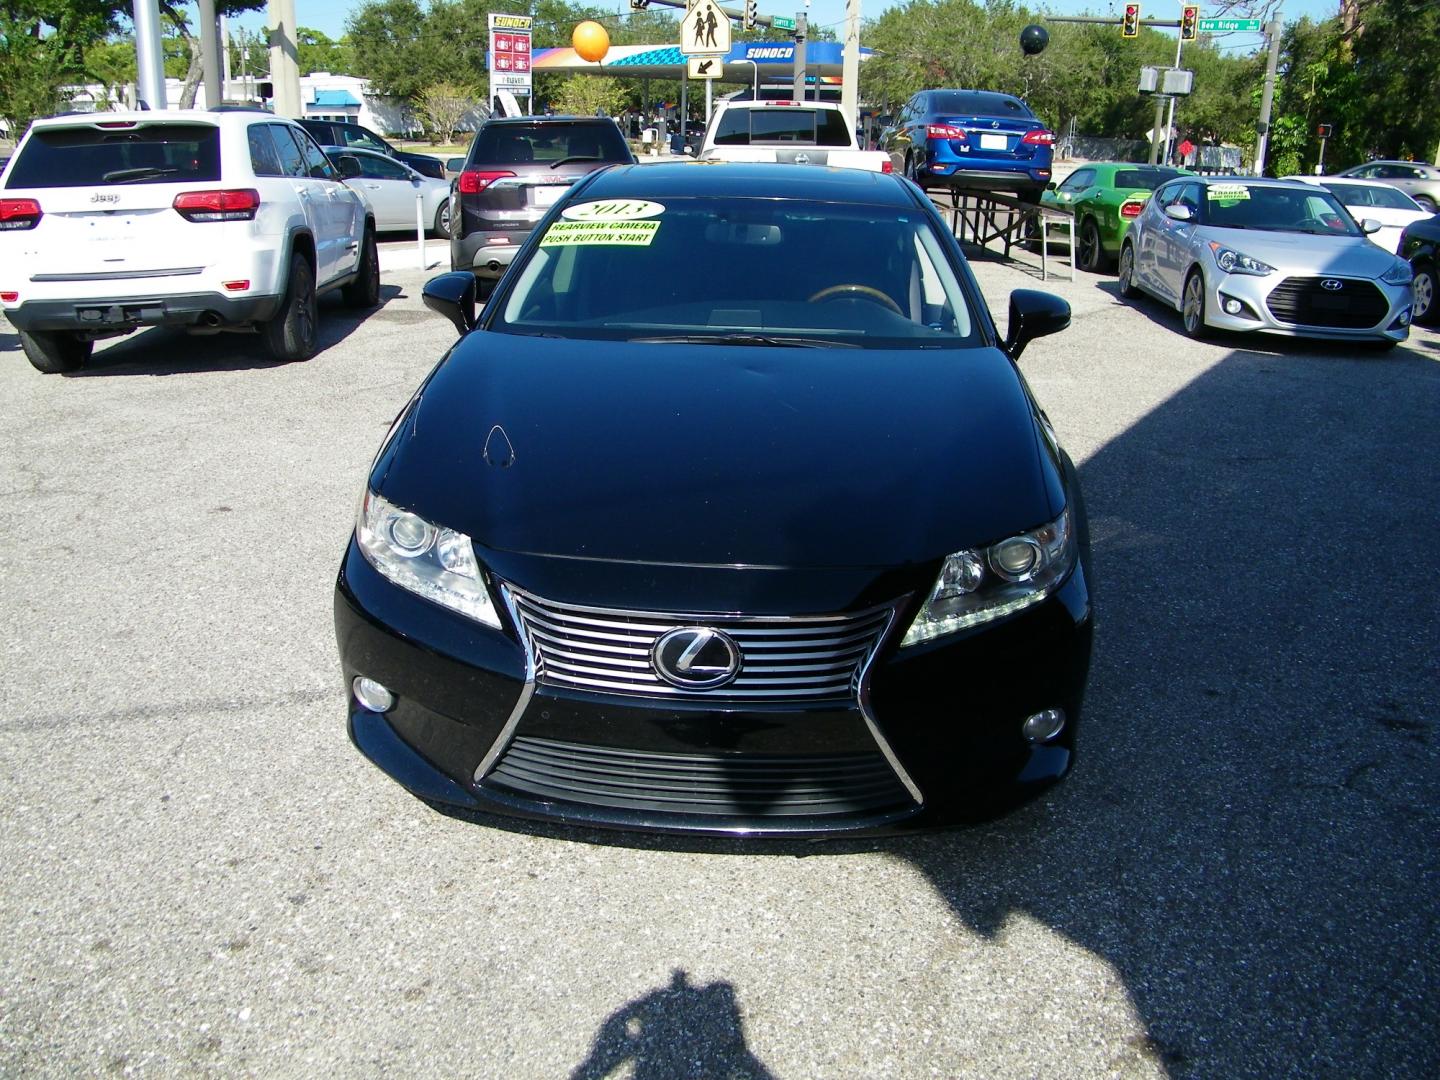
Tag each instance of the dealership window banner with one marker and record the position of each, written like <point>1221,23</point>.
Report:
<point>509,55</point>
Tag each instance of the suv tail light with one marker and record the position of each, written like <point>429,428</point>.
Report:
<point>19,213</point>
<point>1131,209</point>
<point>1039,138</point>
<point>887,165</point>
<point>238,204</point>
<point>473,181</point>
<point>944,131</point>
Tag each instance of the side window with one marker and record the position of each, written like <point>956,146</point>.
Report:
<point>317,165</point>
<point>379,168</point>
<point>1077,181</point>
<point>292,163</point>
<point>1168,194</point>
<point>1191,196</point>
<point>353,136</point>
<point>263,159</point>
<point>1369,172</point>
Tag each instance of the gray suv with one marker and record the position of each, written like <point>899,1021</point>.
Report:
<point>516,169</point>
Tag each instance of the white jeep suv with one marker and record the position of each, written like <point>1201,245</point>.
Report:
<point>200,220</point>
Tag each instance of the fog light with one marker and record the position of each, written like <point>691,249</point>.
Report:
<point>1232,307</point>
<point>371,695</point>
<point>1044,725</point>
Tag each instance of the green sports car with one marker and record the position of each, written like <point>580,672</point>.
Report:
<point>1105,196</point>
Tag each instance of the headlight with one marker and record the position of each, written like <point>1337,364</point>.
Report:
<point>1235,262</point>
<point>1399,274</point>
<point>988,583</point>
<point>434,562</point>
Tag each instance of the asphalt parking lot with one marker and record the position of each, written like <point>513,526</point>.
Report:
<point>201,876</point>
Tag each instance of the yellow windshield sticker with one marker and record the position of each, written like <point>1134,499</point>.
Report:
<point>631,233</point>
<point>612,210</point>
<point>1227,192</point>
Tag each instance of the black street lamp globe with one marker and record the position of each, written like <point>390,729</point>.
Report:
<point>1033,40</point>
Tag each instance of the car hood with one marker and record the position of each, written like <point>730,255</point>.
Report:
<point>1306,254</point>
<point>722,455</point>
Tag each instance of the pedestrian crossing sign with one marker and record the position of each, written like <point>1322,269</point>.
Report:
<point>705,30</point>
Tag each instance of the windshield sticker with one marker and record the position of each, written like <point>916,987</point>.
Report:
<point>613,210</point>
<point>631,233</point>
<point>1227,192</point>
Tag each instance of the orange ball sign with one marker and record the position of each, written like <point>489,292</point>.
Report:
<point>590,41</point>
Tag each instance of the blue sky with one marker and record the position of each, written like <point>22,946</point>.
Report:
<point>329,15</point>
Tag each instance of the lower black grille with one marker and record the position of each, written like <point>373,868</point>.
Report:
<point>1305,301</point>
<point>731,785</point>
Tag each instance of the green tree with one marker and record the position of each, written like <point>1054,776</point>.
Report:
<point>43,45</point>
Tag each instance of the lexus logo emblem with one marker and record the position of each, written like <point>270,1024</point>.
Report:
<point>696,658</point>
<point>1331,285</point>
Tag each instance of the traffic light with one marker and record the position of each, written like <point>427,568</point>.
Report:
<point>1189,21</point>
<point>749,23</point>
<point>1323,130</point>
<point>1131,26</point>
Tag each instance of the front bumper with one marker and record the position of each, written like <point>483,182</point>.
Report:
<point>120,314</point>
<point>937,740</point>
<point>1259,297</point>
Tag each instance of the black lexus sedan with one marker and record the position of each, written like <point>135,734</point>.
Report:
<point>730,513</point>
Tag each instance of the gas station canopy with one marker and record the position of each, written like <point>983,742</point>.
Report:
<point>775,59</point>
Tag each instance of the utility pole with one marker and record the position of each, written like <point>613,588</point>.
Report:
<point>284,59</point>
<point>210,52</point>
<point>1170,113</point>
<point>1155,130</point>
<point>149,59</point>
<point>850,65</point>
<point>1267,97</point>
<point>802,30</point>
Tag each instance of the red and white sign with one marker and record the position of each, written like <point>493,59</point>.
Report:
<point>509,53</point>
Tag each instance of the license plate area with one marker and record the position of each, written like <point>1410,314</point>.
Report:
<point>547,194</point>
<point>989,141</point>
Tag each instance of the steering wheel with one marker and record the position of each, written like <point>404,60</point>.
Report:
<point>850,290</point>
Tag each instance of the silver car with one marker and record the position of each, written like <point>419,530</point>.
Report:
<point>1241,253</point>
<point>1418,179</point>
<point>390,186</point>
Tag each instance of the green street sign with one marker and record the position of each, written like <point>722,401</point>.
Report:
<point>780,22</point>
<point>1213,26</point>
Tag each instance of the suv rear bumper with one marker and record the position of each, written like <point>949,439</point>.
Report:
<point>118,314</point>
<point>475,252</point>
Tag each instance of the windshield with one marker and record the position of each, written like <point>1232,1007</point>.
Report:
<point>1143,179</point>
<point>118,152</point>
<point>1363,195</point>
<point>1277,209</point>
<point>813,127</point>
<point>977,103</point>
<point>747,271</point>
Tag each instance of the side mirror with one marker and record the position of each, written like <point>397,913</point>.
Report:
<point>1370,225</point>
<point>1033,314</point>
<point>455,164</point>
<point>1179,212</point>
<point>1051,186</point>
<point>453,295</point>
<point>415,179</point>
<point>348,164</point>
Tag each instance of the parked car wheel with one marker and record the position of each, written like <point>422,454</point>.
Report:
<point>364,291</point>
<point>442,221</point>
<point>290,335</point>
<point>55,352</point>
<point>1091,254</point>
<point>1424,285</point>
<point>913,171</point>
<point>1192,308</point>
<point>1426,203</point>
<point>1128,288</point>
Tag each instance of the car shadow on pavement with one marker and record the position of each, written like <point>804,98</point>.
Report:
<point>665,1033</point>
<point>160,351</point>
<point>9,342</point>
<point>1248,839</point>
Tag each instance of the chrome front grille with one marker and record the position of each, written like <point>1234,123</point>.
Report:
<point>804,659</point>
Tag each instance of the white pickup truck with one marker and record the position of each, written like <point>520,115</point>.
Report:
<point>793,132</point>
